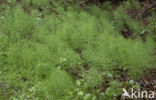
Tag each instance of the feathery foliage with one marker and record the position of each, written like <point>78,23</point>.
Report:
<point>66,54</point>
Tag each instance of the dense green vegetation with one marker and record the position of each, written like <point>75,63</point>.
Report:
<point>60,51</point>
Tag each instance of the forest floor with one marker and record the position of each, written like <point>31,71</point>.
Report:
<point>148,80</point>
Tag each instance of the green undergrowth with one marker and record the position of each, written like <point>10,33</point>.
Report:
<point>49,52</point>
